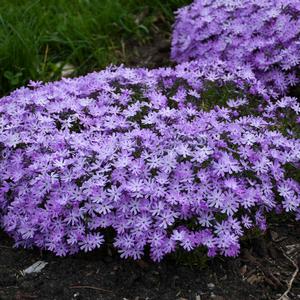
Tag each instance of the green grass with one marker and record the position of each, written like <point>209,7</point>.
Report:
<point>37,37</point>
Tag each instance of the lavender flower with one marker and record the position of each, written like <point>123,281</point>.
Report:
<point>155,155</point>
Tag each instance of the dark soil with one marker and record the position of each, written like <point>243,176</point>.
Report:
<point>266,265</point>
<point>154,54</point>
<point>261,272</point>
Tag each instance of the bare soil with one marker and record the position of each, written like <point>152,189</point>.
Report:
<point>266,265</point>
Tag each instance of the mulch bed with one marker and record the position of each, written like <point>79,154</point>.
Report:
<point>264,269</point>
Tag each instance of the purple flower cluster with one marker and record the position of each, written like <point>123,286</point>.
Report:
<point>261,36</point>
<point>147,153</point>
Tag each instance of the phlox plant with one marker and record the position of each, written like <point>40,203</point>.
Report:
<point>156,155</point>
<point>258,36</point>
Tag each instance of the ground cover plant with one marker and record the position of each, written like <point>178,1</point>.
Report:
<point>39,38</point>
<point>259,36</point>
<point>156,155</point>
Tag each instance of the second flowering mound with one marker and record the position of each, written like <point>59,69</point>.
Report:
<point>147,153</point>
<point>262,36</point>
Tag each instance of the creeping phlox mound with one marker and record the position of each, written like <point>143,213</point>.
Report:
<point>261,36</point>
<point>149,154</point>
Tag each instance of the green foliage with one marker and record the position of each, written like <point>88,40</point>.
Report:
<point>37,36</point>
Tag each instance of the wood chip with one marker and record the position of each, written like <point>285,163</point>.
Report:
<point>243,270</point>
<point>35,268</point>
<point>254,279</point>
